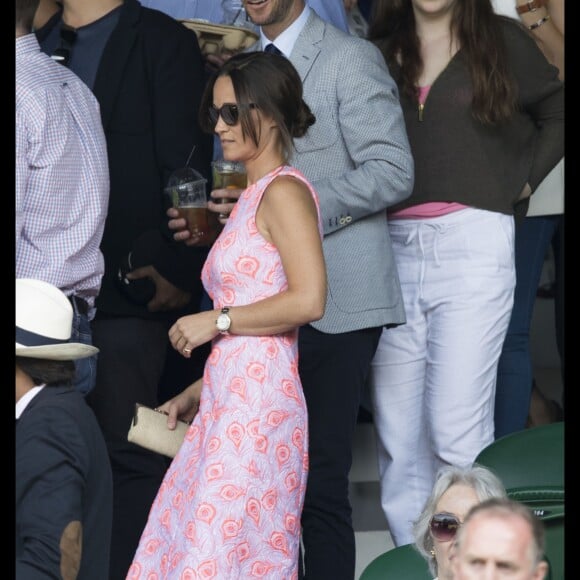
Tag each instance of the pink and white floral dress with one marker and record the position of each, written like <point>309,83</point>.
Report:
<point>229,506</point>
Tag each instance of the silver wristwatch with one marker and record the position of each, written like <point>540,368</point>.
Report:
<point>223,321</point>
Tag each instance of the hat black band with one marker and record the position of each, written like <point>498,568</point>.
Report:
<point>27,338</point>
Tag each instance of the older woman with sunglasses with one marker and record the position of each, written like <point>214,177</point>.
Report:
<point>456,490</point>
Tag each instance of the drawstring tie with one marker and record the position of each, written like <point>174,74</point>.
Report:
<point>418,232</point>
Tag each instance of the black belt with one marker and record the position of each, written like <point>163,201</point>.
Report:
<point>82,306</point>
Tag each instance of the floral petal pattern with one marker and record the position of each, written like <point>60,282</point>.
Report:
<point>230,503</point>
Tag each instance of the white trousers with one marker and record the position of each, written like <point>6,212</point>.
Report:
<point>433,379</point>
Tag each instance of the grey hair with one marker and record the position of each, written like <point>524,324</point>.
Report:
<point>481,479</point>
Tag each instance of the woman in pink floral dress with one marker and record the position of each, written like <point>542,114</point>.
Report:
<point>230,504</point>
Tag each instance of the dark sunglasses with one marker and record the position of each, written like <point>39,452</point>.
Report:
<point>229,112</point>
<point>61,54</point>
<point>444,527</point>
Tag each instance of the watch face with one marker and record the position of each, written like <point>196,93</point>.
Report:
<point>223,322</point>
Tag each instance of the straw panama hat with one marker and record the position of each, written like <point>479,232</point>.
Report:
<point>44,318</point>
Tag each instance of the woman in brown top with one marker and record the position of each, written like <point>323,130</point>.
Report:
<point>484,115</point>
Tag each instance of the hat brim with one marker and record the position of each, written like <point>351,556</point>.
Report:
<point>67,351</point>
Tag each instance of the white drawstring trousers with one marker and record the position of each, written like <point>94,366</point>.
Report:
<point>433,379</point>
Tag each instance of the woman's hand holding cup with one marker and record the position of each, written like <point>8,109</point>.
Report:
<point>222,202</point>
<point>229,180</point>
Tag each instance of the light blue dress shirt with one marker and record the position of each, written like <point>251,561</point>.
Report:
<point>330,10</point>
<point>205,9</point>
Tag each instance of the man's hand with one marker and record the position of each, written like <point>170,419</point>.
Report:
<point>178,225</point>
<point>167,296</point>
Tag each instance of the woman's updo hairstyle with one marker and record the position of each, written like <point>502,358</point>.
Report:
<point>273,85</point>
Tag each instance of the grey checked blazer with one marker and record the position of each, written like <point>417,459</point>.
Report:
<point>358,159</point>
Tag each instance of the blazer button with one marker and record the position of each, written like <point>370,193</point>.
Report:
<point>348,219</point>
<point>341,221</point>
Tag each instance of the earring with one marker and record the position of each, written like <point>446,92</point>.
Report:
<point>432,552</point>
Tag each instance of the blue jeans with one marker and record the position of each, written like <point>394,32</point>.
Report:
<point>515,371</point>
<point>86,368</point>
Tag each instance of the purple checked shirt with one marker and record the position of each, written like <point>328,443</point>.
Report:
<point>62,175</point>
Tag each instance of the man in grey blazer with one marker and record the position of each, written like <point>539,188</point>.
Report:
<point>358,159</point>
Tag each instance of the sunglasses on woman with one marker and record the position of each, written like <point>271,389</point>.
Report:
<point>444,527</point>
<point>229,112</point>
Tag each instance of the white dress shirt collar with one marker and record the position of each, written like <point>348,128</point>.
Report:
<point>286,39</point>
<point>22,403</point>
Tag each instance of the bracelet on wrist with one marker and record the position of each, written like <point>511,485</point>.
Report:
<point>539,22</point>
<point>530,6</point>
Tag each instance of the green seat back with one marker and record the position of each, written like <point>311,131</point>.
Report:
<point>532,457</point>
<point>402,563</point>
<point>555,547</point>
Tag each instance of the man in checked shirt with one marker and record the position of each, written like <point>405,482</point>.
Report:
<point>62,182</point>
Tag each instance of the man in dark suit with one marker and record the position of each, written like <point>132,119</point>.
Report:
<point>147,73</point>
<point>64,488</point>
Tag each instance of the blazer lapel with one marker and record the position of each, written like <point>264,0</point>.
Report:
<point>307,46</point>
<point>114,59</point>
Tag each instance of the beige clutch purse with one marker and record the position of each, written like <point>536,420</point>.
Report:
<point>149,429</point>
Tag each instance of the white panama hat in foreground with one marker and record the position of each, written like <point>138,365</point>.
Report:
<point>44,318</point>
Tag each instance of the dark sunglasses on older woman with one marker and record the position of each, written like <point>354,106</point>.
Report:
<point>229,112</point>
<point>444,527</point>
